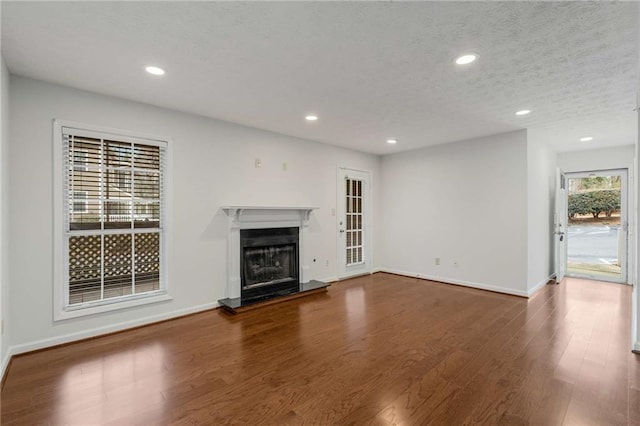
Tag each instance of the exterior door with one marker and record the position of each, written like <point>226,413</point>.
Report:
<point>560,226</point>
<point>597,238</point>
<point>354,242</point>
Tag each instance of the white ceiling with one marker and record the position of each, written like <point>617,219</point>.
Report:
<point>369,70</point>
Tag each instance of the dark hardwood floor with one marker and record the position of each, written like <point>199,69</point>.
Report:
<point>380,349</point>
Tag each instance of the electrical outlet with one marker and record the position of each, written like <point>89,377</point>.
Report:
<point>455,263</point>
<point>326,263</point>
<point>437,261</point>
<point>257,163</point>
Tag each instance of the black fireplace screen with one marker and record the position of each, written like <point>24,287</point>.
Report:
<point>269,262</point>
<point>269,265</point>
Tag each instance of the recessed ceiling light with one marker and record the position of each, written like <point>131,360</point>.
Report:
<point>392,141</point>
<point>154,70</point>
<point>311,117</point>
<point>586,139</point>
<point>523,112</point>
<point>466,59</point>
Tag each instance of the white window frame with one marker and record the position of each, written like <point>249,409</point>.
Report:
<point>61,309</point>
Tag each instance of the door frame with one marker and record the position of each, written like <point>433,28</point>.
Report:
<point>560,227</point>
<point>625,223</point>
<point>367,218</point>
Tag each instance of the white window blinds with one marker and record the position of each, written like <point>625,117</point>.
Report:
<point>114,216</point>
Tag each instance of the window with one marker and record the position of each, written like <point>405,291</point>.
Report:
<point>113,221</point>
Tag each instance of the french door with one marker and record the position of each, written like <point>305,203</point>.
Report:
<point>354,231</point>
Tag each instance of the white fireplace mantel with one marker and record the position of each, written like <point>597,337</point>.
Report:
<point>256,217</point>
<point>252,215</point>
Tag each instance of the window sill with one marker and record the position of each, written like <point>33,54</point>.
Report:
<point>108,306</point>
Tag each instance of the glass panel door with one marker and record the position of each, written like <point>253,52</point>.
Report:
<point>353,247</point>
<point>597,231</point>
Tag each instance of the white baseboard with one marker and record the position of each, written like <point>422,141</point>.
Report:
<point>636,347</point>
<point>480,286</point>
<point>98,331</point>
<point>5,362</point>
<point>538,286</point>
<point>336,279</point>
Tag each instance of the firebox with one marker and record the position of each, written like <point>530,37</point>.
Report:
<point>268,262</point>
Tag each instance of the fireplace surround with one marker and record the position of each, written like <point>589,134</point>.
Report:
<point>264,277</point>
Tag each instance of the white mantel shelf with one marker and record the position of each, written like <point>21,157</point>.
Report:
<point>270,207</point>
<point>235,212</point>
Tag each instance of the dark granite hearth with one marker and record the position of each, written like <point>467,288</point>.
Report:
<point>237,304</point>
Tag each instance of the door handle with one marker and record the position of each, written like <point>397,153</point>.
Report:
<point>341,231</point>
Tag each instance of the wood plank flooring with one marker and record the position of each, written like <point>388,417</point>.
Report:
<point>380,349</point>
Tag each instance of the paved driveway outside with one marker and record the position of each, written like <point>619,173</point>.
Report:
<point>593,244</point>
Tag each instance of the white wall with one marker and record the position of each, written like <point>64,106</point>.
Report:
<point>541,167</point>
<point>598,159</point>
<point>464,202</point>
<point>635,326</point>
<point>4,215</point>
<point>213,165</point>
<point>635,304</point>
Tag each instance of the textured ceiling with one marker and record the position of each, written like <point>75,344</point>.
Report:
<point>369,70</point>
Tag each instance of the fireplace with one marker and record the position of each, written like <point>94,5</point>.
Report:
<point>267,248</point>
<point>269,259</point>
